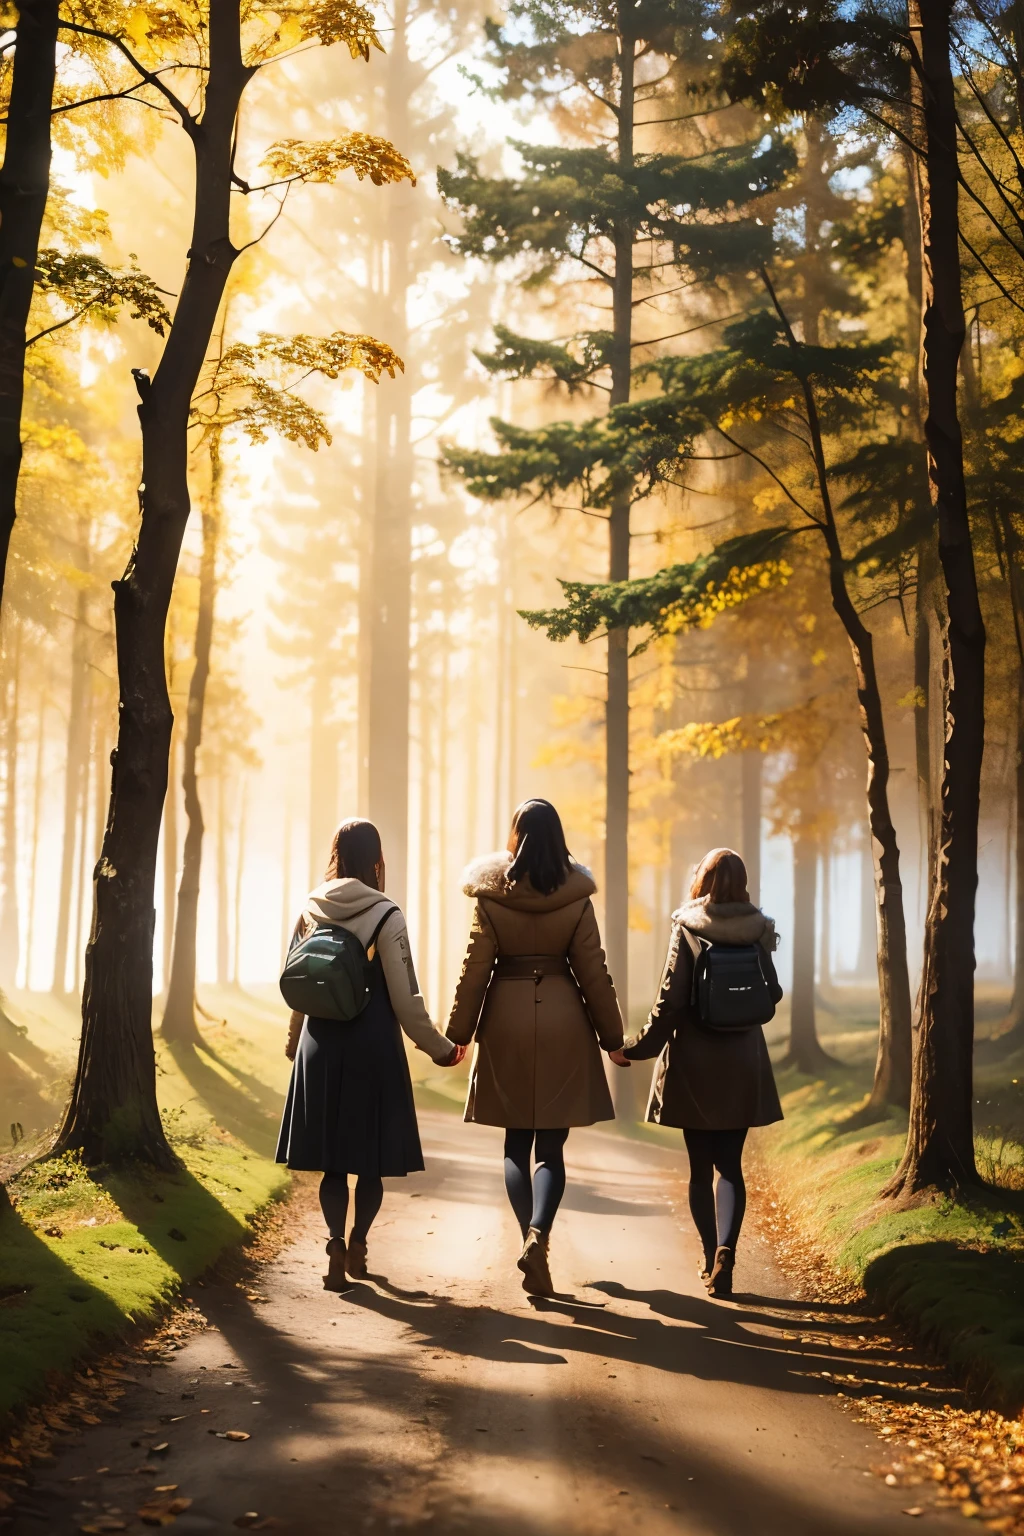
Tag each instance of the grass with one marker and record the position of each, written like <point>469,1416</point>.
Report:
<point>87,1254</point>
<point>952,1270</point>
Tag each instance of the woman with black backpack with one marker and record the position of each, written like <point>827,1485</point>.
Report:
<point>350,1107</point>
<point>714,1078</point>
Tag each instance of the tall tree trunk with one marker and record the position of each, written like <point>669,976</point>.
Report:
<point>236,970</point>
<point>74,767</point>
<point>423,926</point>
<point>113,1115</point>
<point>825,926</point>
<point>223,903</point>
<point>37,810</point>
<point>179,1021</point>
<point>940,1144</point>
<point>388,781</point>
<point>84,849</point>
<point>805,1050</point>
<point>501,810</point>
<point>892,1068</point>
<point>24,186</point>
<point>1016,1015</point>
<point>867,943</point>
<point>323,770</point>
<point>170,856</point>
<point>616,847</point>
<point>443,791</point>
<point>10,928</point>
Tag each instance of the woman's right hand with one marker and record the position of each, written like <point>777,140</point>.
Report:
<point>620,1058</point>
<point>458,1055</point>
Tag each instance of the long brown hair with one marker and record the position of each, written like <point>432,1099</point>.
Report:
<point>356,852</point>
<point>721,876</point>
<point>537,845</point>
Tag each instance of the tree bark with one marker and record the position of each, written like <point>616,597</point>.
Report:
<point>892,1067</point>
<point>37,808</point>
<point>805,1051</point>
<point>323,768</point>
<point>236,969</point>
<point>170,856</point>
<point>113,1115</point>
<point>940,1144</point>
<point>24,186</point>
<point>179,1021</point>
<point>391,554</point>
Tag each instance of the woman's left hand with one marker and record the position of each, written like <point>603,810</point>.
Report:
<point>620,1058</point>
<point>459,1054</point>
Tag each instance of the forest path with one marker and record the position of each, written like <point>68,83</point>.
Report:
<point>442,1399</point>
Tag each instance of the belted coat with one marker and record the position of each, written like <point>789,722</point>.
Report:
<point>536,994</point>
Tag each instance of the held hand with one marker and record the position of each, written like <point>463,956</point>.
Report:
<point>457,1056</point>
<point>619,1059</point>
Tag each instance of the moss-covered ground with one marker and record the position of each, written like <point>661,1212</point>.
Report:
<point>84,1254</point>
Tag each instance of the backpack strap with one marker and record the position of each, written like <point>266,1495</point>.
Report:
<point>371,948</point>
<point>699,948</point>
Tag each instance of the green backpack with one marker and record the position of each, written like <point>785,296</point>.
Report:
<point>328,975</point>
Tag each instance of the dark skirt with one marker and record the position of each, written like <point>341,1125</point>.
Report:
<point>350,1107</point>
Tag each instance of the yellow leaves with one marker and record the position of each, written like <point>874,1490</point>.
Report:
<point>915,699</point>
<point>321,160</point>
<point>341,21</point>
<point>738,586</point>
<point>714,739</point>
<point>768,500</point>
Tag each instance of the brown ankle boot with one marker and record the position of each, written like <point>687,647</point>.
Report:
<point>533,1261</point>
<point>334,1280</point>
<point>356,1261</point>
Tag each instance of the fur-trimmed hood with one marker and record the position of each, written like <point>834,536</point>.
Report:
<point>486,877</point>
<point>728,922</point>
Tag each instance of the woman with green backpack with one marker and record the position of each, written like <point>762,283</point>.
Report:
<point>714,1077</point>
<point>351,984</point>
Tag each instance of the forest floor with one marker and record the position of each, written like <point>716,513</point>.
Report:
<point>442,1398</point>
<point>401,1376</point>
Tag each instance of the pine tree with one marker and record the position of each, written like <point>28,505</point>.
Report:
<point>634,224</point>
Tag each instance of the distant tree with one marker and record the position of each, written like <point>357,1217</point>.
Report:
<point>634,224</point>
<point>113,1113</point>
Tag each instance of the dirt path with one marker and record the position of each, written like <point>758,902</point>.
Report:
<point>442,1399</point>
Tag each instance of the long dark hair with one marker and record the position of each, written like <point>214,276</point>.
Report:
<point>537,845</point>
<point>721,876</point>
<point>356,852</point>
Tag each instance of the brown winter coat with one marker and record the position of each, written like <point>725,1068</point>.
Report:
<point>705,1081</point>
<point>538,1064</point>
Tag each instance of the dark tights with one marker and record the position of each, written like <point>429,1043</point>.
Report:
<point>717,1213</point>
<point>535,1201</point>
<point>334,1203</point>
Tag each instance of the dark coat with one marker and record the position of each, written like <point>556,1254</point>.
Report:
<point>706,1081</point>
<point>538,1059</point>
<point>350,1107</point>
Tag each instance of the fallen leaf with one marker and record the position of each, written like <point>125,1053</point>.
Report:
<point>229,1434</point>
<point>166,1488</point>
<point>163,1511</point>
<point>915,1511</point>
<point>158,1450</point>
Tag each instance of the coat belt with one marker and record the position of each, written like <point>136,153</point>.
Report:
<point>531,967</point>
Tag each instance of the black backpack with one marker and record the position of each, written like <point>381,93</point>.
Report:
<point>730,991</point>
<point>328,974</point>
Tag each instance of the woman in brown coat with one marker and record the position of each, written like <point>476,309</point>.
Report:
<point>714,1085</point>
<point>536,993</point>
